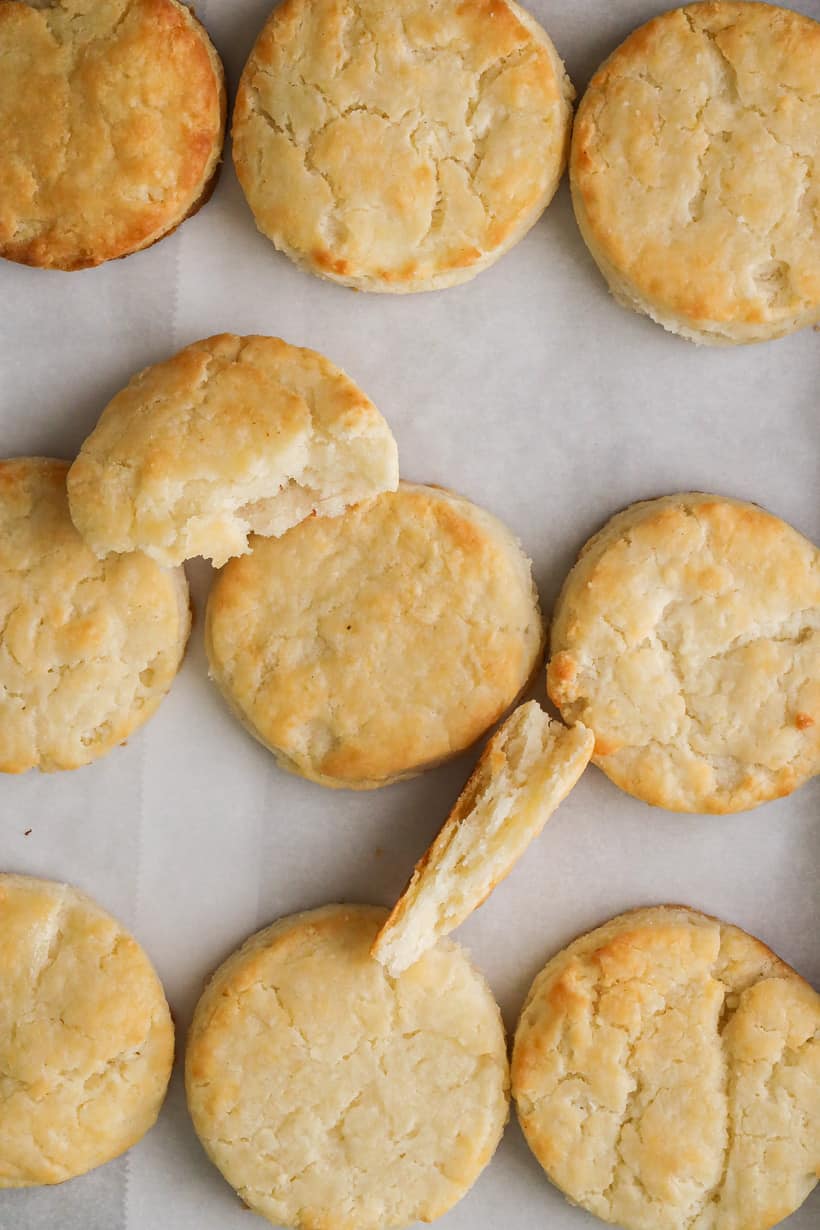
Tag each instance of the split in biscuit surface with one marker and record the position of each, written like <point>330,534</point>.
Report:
<point>666,1072</point>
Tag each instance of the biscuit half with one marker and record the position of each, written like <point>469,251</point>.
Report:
<point>86,1037</point>
<point>687,638</point>
<point>231,436</point>
<point>329,1094</point>
<point>695,171</point>
<point>113,120</point>
<point>368,647</point>
<point>88,647</point>
<point>526,770</point>
<point>666,1074</point>
<point>400,147</point>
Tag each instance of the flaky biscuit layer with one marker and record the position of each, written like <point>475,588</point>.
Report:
<point>231,435</point>
<point>526,770</point>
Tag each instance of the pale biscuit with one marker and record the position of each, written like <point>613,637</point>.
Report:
<point>695,171</point>
<point>113,119</point>
<point>231,435</point>
<point>687,637</point>
<point>527,768</point>
<point>368,647</point>
<point>330,1095</point>
<point>666,1073</point>
<point>88,648</point>
<point>86,1038</point>
<point>400,147</point>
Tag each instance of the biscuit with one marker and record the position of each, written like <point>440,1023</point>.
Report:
<point>113,119</point>
<point>229,436</point>
<point>363,649</point>
<point>527,768</point>
<point>695,171</point>
<point>330,1095</point>
<point>400,147</point>
<point>86,1038</point>
<point>88,648</point>
<point>666,1073</point>
<point>687,637</point>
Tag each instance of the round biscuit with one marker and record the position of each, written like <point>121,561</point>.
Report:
<point>400,147</point>
<point>365,648</point>
<point>331,1095</point>
<point>88,647</point>
<point>666,1073</point>
<point>687,637</point>
<point>231,435</point>
<point>694,171</point>
<point>86,1037</point>
<point>113,119</point>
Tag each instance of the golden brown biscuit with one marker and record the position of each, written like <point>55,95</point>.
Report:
<point>400,147</point>
<point>113,118</point>
<point>666,1073</point>
<point>526,770</point>
<point>86,1038</point>
<point>331,1096</point>
<point>694,171</point>
<point>368,647</point>
<point>229,436</point>
<point>687,637</point>
<point>88,648</point>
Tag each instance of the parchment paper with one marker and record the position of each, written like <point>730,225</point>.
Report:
<point>528,390</point>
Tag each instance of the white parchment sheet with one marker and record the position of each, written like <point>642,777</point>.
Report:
<point>530,391</point>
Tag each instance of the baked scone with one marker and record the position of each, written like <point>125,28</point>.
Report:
<point>112,117</point>
<point>88,648</point>
<point>86,1038</point>
<point>332,1096</point>
<point>666,1073</point>
<point>366,648</point>
<point>687,637</point>
<point>231,435</point>
<point>527,768</point>
<point>695,171</point>
<point>400,146</point>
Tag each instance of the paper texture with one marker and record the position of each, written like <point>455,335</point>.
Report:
<point>528,390</point>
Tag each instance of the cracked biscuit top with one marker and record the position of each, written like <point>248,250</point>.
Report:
<point>112,117</point>
<point>400,146</point>
<point>695,170</point>
<point>233,434</point>
<point>88,647</point>
<point>331,1095</point>
<point>86,1038</point>
<point>367,647</point>
<point>687,637</point>
<point>666,1073</point>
